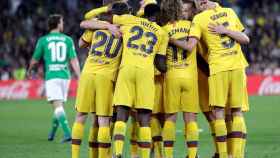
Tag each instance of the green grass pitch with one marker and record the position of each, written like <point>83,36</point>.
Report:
<point>24,127</point>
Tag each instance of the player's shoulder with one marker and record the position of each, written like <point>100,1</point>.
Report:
<point>67,38</point>
<point>178,24</point>
<point>184,23</point>
<point>163,32</point>
<point>159,29</point>
<point>198,17</point>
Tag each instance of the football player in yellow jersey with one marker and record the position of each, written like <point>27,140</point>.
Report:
<point>144,45</point>
<point>95,91</point>
<point>157,112</point>
<point>142,93</point>
<point>156,119</point>
<point>203,75</point>
<point>222,31</point>
<point>181,87</point>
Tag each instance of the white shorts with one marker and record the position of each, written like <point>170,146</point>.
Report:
<point>57,89</point>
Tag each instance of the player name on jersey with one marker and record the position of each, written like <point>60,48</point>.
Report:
<point>55,38</point>
<point>178,30</point>
<point>219,15</point>
<point>149,26</point>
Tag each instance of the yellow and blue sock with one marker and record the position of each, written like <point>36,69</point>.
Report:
<point>104,142</point>
<point>192,136</point>
<point>229,130</point>
<point>244,138</point>
<point>221,137</point>
<point>144,142</point>
<point>156,137</point>
<point>212,128</point>
<point>93,143</point>
<point>236,136</point>
<point>77,135</point>
<point>168,136</point>
<point>119,135</point>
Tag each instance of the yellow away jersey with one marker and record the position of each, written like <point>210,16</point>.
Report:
<point>142,39</point>
<point>104,54</point>
<point>224,52</point>
<point>180,63</point>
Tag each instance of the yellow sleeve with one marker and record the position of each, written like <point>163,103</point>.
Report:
<point>163,43</point>
<point>195,30</point>
<point>87,36</point>
<point>238,23</point>
<point>95,12</point>
<point>122,19</point>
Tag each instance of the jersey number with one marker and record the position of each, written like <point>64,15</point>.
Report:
<point>228,43</point>
<point>108,41</point>
<point>139,34</point>
<point>175,51</point>
<point>58,51</point>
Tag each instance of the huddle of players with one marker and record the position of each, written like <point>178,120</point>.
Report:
<point>156,67</point>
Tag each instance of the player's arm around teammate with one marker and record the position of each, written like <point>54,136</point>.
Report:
<point>95,92</point>
<point>222,48</point>
<point>235,114</point>
<point>181,91</point>
<point>138,65</point>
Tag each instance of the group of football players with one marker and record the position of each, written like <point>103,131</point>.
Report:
<point>176,56</point>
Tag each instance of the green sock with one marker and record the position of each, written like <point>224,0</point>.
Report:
<point>62,119</point>
<point>55,124</point>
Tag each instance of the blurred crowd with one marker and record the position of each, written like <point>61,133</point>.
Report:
<point>24,21</point>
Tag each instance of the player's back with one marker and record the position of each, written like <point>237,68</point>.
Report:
<point>180,63</point>
<point>141,40</point>
<point>56,49</point>
<point>104,54</point>
<point>220,46</point>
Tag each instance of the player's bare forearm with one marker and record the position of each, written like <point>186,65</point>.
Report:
<point>98,24</point>
<point>240,37</point>
<point>184,44</point>
<point>76,67</point>
<point>94,24</point>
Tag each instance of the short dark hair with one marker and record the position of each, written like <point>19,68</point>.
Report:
<point>151,10</point>
<point>120,8</point>
<point>53,21</point>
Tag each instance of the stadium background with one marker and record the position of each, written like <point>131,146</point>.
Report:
<point>24,121</point>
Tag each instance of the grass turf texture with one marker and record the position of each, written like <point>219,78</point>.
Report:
<point>24,126</point>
